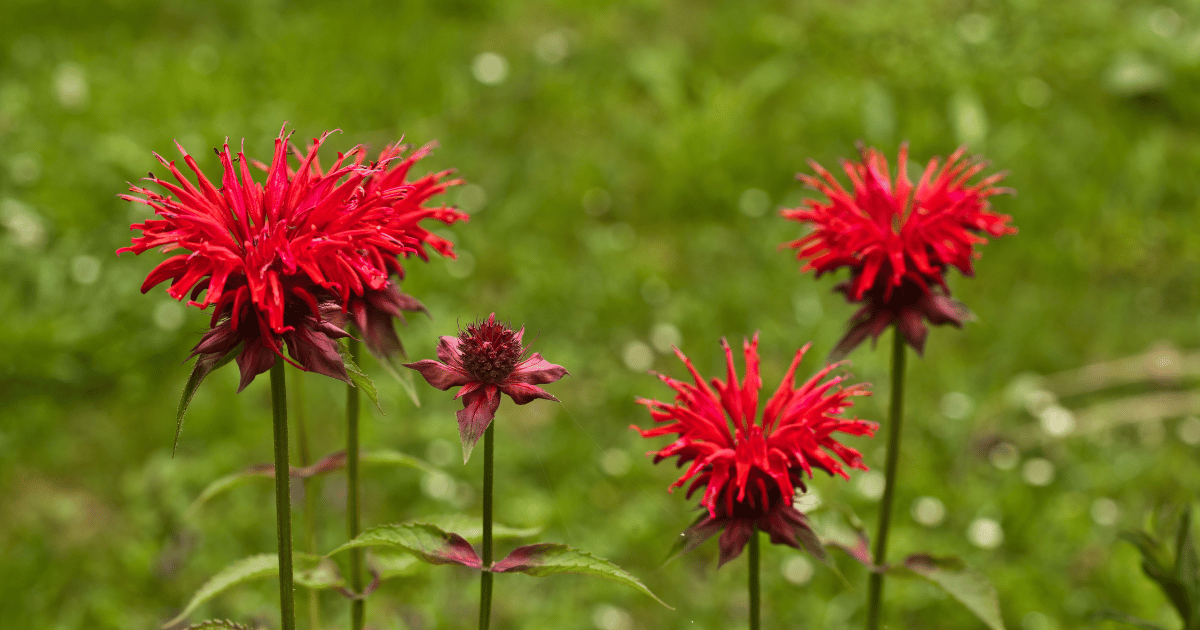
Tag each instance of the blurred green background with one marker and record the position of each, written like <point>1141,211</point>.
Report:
<point>625,162</point>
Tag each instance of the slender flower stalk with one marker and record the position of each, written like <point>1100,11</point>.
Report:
<point>357,606</point>
<point>485,580</point>
<point>895,420</point>
<point>486,360</point>
<point>755,597</point>
<point>304,457</point>
<point>283,498</point>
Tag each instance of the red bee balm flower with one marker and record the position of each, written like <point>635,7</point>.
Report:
<point>751,473</point>
<point>898,241</point>
<point>281,262</point>
<point>393,205</point>
<point>486,359</point>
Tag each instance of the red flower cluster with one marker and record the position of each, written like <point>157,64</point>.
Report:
<point>897,240</point>
<point>486,360</point>
<point>291,261</point>
<point>751,473</point>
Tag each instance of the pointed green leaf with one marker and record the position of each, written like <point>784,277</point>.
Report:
<point>315,572</point>
<point>239,572</point>
<point>1187,564</point>
<point>1155,568</point>
<point>358,377</point>
<point>1171,587</point>
<point>387,457</point>
<point>690,538</point>
<point>550,558</point>
<point>472,529</point>
<point>402,376</point>
<point>229,482</point>
<point>427,542</point>
<point>1149,547</point>
<point>1125,618</point>
<point>330,463</point>
<point>390,564</point>
<point>205,365</point>
<point>847,534</point>
<point>952,575</point>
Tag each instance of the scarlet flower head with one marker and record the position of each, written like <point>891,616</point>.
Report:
<point>898,241</point>
<point>277,261</point>
<point>749,466</point>
<point>487,359</point>
<point>374,310</point>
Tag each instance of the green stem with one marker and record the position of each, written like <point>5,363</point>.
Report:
<point>485,582</point>
<point>755,615</point>
<point>357,606</point>
<point>895,419</point>
<point>283,499</point>
<point>303,453</point>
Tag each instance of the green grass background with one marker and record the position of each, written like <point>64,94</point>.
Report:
<point>672,110</point>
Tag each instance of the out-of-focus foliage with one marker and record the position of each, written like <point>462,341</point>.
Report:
<point>1174,567</point>
<point>625,161</point>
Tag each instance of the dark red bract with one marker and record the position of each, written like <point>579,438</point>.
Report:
<point>751,467</point>
<point>277,261</point>
<point>898,240</point>
<point>486,360</point>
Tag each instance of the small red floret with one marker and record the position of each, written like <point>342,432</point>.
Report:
<point>485,360</point>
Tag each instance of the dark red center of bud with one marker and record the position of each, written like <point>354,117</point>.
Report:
<point>490,350</point>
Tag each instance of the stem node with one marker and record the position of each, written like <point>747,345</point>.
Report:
<point>485,580</point>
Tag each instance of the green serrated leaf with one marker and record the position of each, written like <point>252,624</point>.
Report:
<point>545,559</point>
<point>390,564</point>
<point>427,542</point>
<point>310,571</point>
<point>472,529</point>
<point>970,587</point>
<point>358,377</point>
<point>1125,618</point>
<point>205,365</point>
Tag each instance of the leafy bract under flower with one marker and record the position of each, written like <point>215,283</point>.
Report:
<point>898,240</point>
<point>486,360</point>
<point>277,260</point>
<point>751,466</point>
